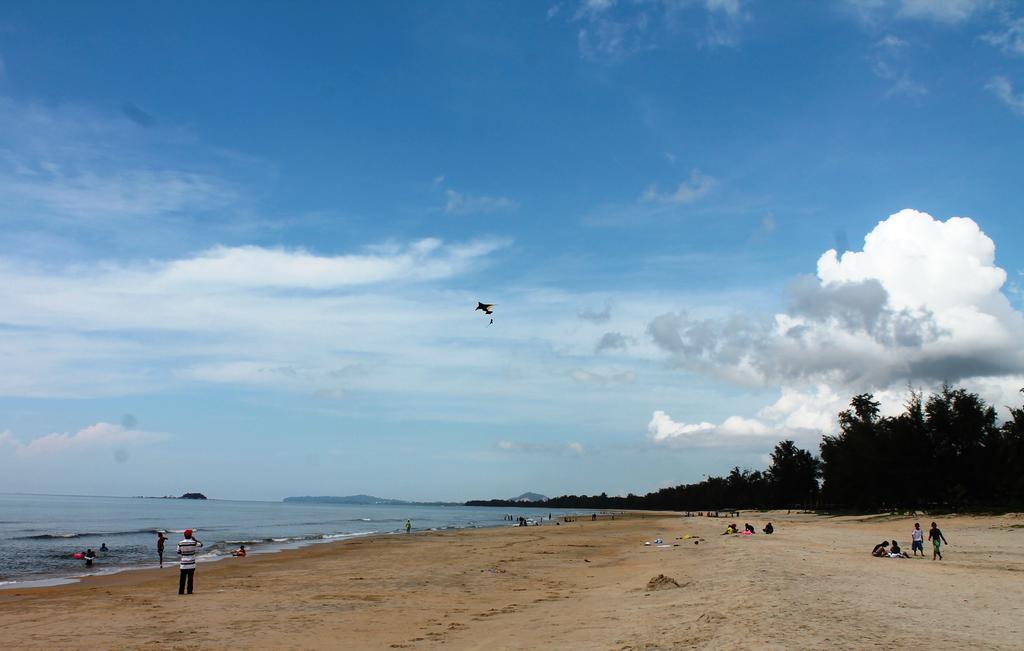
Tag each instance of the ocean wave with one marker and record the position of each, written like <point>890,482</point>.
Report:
<point>84,534</point>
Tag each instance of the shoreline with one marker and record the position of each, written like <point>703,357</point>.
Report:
<point>58,579</point>
<point>582,585</point>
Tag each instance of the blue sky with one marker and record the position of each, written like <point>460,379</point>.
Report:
<point>241,244</point>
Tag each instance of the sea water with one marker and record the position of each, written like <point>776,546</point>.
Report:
<point>39,534</point>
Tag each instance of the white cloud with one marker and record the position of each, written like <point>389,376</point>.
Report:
<point>92,437</point>
<point>732,431</point>
<point>1002,88</point>
<point>470,204</point>
<point>689,191</point>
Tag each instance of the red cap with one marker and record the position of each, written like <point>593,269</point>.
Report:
<point>188,533</point>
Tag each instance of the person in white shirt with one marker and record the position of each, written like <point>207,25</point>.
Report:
<point>187,551</point>
<point>917,540</point>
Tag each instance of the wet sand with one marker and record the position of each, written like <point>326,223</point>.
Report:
<point>582,585</point>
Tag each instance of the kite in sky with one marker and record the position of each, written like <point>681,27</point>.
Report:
<point>487,308</point>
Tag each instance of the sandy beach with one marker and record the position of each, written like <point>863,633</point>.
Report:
<point>582,585</point>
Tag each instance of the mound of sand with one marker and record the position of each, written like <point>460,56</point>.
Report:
<point>662,582</point>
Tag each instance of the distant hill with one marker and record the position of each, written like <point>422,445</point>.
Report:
<point>192,496</point>
<point>529,497</point>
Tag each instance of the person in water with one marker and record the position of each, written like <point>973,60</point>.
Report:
<point>881,549</point>
<point>408,526</point>
<point>240,552</point>
<point>90,556</point>
<point>935,535</point>
<point>103,547</point>
<point>160,540</point>
<point>917,540</point>
<point>187,550</point>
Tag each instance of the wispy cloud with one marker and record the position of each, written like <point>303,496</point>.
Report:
<point>458,203</point>
<point>888,63</point>
<point>941,11</point>
<point>690,190</point>
<point>1010,39</point>
<point>571,449</point>
<point>98,435</point>
<point>1002,88</point>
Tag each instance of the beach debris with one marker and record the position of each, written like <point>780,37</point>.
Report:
<point>487,309</point>
<point>662,582</point>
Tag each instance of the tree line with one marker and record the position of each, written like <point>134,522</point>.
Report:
<point>946,451</point>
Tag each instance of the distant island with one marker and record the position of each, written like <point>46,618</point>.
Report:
<point>362,500</point>
<point>184,496</point>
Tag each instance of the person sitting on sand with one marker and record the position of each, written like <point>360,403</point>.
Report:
<point>239,552</point>
<point>731,529</point>
<point>880,549</point>
<point>896,552</point>
<point>769,529</point>
<point>748,527</point>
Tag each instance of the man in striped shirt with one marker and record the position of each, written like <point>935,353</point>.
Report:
<point>187,551</point>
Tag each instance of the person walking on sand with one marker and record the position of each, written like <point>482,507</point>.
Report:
<point>935,535</point>
<point>160,540</point>
<point>917,540</point>
<point>187,551</point>
<point>408,526</point>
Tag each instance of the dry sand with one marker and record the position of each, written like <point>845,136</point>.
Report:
<point>576,586</point>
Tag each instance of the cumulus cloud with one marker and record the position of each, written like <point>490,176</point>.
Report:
<point>95,436</point>
<point>458,203</point>
<point>688,191</point>
<point>1002,88</point>
<point>920,303</point>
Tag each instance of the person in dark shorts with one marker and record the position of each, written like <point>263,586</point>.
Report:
<point>935,535</point>
<point>917,540</point>
<point>881,549</point>
<point>187,550</point>
<point>160,540</point>
<point>90,556</point>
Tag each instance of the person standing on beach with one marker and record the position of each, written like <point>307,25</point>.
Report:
<point>160,540</point>
<point>935,535</point>
<point>187,551</point>
<point>917,540</point>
